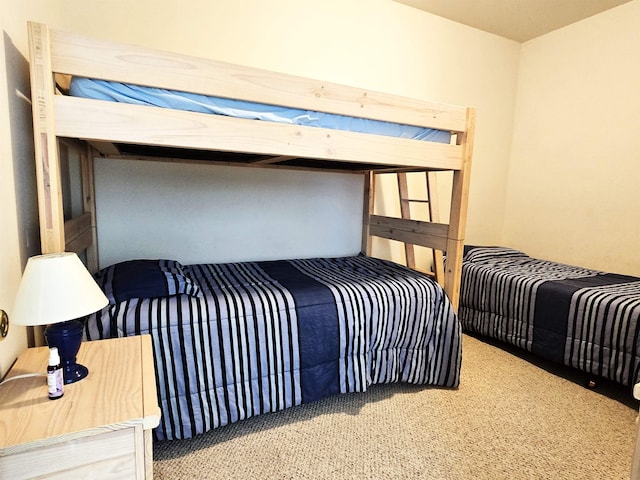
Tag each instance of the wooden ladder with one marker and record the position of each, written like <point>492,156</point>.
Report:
<point>432,209</point>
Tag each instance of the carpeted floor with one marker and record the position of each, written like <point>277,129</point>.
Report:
<point>511,418</point>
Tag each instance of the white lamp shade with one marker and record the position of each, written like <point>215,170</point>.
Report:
<point>55,288</point>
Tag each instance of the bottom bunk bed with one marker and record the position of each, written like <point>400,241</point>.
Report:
<point>236,340</point>
<point>582,318</point>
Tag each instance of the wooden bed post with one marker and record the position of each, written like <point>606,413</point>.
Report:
<point>458,220</point>
<point>89,204</point>
<point>367,210</point>
<point>45,142</point>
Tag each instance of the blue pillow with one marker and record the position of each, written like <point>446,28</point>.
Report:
<point>145,279</point>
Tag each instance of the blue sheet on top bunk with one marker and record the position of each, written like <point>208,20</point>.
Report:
<point>583,318</point>
<point>126,93</point>
<point>264,336</point>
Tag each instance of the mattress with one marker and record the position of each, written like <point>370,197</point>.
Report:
<point>583,318</point>
<point>134,94</point>
<point>232,341</point>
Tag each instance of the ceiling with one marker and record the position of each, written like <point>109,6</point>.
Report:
<point>519,20</point>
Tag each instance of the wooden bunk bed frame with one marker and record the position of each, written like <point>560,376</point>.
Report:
<point>99,126</point>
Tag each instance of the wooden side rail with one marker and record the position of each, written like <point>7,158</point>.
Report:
<point>74,54</point>
<point>415,232</point>
<point>46,146</point>
<point>78,233</point>
<point>97,120</point>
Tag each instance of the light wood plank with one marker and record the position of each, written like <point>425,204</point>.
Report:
<point>25,402</point>
<point>434,216</point>
<point>45,143</point>
<point>99,428</point>
<point>416,232</point>
<point>453,270</point>
<point>148,455</point>
<point>89,205</point>
<point>274,159</point>
<point>151,410</point>
<point>405,212</point>
<point>88,452</point>
<point>80,244</point>
<point>369,192</point>
<point>93,58</point>
<point>461,178</point>
<point>77,226</point>
<point>458,215</point>
<point>109,121</point>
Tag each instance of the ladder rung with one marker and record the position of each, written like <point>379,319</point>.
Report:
<point>414,200</point>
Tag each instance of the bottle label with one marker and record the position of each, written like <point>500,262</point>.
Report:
<point>55,383</point>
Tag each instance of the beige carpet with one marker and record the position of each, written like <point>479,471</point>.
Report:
<point>510,419</point>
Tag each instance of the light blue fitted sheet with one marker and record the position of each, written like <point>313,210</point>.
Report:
<point>126,93</point>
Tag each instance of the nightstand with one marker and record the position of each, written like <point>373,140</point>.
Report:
<point>100,428</point>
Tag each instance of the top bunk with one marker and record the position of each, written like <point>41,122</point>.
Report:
<point>132,97</point>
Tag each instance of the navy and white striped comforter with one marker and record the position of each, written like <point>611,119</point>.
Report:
<point>583,318</point>
<point>270,335</point>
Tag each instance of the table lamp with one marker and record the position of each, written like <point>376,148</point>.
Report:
<point>55,290</point>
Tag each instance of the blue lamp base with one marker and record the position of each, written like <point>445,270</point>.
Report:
<point>67,336</point>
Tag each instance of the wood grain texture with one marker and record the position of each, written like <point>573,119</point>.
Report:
<point>90,57</point>
<point>109,409</point>
<point>46,147</point>
<point>109,455</point>
<point>96,120</point>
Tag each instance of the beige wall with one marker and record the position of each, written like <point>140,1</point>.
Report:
<point>573,187</point>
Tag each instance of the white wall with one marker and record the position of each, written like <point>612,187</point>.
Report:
<point>375,44</point>
<point>204,213</point>
<point>573,192</point>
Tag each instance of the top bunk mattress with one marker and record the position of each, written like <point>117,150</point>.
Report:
<point>151,96</point>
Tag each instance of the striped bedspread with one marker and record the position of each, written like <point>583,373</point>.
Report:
<point>582,318</point>
<point>264,336</point>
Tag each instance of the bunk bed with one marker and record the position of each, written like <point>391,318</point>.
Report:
<point>383,321</point>
<point>579,317</point>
